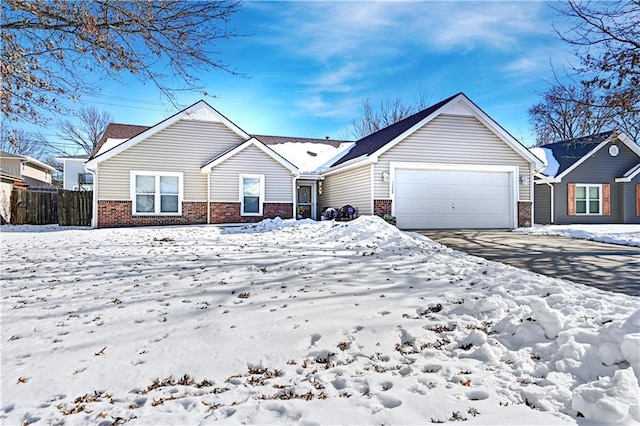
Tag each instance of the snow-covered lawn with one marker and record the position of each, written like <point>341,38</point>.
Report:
<point>616,234</point>
<point>301,322</point>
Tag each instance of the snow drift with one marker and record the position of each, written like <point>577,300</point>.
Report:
<point>301,322</point>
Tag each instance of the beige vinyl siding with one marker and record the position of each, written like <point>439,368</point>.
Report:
<point>225,181</point>
<point>350,187</point>
<point>36,173</point>
<point>452,139</point>
<point>10,166</point>
<point>184,147</point>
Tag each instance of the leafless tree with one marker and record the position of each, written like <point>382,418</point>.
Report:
<point>606,35</point>
<point>57,50</point>
<point>569,111</point>
<point>85,133</point>
<point>21,142</point>
<point>387,113</point>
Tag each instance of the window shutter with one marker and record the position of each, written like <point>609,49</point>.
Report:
<point>606,199</point>
<point>637,200</point>
<point>571,199</point>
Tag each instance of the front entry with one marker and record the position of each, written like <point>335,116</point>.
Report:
<point>304,208</point>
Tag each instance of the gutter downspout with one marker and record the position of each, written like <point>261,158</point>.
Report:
<point>551,202</point>
<point>209,198</point>
<point>94,219</point>
<point>294,195</point>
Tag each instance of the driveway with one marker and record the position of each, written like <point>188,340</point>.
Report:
<point>608,267</point>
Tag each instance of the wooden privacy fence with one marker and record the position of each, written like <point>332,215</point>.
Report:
<point>66,208</point>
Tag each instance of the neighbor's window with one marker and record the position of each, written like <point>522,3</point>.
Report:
<point>156,193</point>
<point>588,199</point>
<point>251,195</point>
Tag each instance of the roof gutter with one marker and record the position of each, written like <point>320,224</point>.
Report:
<point>349,165</point>
<point>544,179</point>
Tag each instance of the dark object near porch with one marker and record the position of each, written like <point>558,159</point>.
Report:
<point>346,213</point>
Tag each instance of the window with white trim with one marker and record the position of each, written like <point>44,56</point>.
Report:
<point>588,199</point>
<point>156,193</point>
<point>251,195</point>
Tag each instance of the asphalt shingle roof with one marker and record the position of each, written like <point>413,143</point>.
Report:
<point>370,144</point>
<point>570,151</point>
<point>118,131</point>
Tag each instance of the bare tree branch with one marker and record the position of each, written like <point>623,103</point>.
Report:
<point>569,111</point>
<point>87,131</point>
<point>20,142</point>
<point>55,49</point>
<point>387,113</point>
<point>606,35</point>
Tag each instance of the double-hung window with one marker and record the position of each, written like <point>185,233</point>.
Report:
<point>588,199</point>
<point>251,195</point>
<point>156,193</point>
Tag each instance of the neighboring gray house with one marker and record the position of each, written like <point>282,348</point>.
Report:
<point>594,179</point>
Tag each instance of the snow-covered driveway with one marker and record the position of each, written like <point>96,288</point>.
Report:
<point>299,322</point>
<point>611,267</point>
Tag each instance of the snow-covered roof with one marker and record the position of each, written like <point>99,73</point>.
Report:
<point>551,165</point>
<point>308,155</point>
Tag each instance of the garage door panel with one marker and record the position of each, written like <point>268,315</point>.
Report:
<point>452,199</point>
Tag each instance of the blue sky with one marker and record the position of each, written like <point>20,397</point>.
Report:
<point>308,66</point>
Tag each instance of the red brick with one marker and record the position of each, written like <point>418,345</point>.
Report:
<point>524,214</point>
<point>381,207</point>
<point>119,213</point>
<point>230,212</point>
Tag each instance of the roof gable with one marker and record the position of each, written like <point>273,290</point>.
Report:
<point>375,141</point>
<point>117,131</point>
<point>376,144</point>
<point>569,154</point>
<point>239,148</point>
<point>200,111</point>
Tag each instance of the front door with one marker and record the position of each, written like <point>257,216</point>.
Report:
<point>304,202</point>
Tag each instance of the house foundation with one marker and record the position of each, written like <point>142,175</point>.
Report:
<point>230,212</point>
<point>112,214</point>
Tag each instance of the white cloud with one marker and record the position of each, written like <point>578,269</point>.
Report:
<point>324,29</point>
<point>357,50</point>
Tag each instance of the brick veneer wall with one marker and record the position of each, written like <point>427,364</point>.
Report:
<point>119,213</point>
<point>230,212</point>
<point>381,207</point>
<point>524,214</point>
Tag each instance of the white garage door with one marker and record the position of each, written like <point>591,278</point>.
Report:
<point>452,199</point>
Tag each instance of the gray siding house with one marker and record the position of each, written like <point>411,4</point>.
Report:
<point>594,179</point>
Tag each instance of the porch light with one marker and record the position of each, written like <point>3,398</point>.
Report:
<point>385,176</point>
<point>524,180</point>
